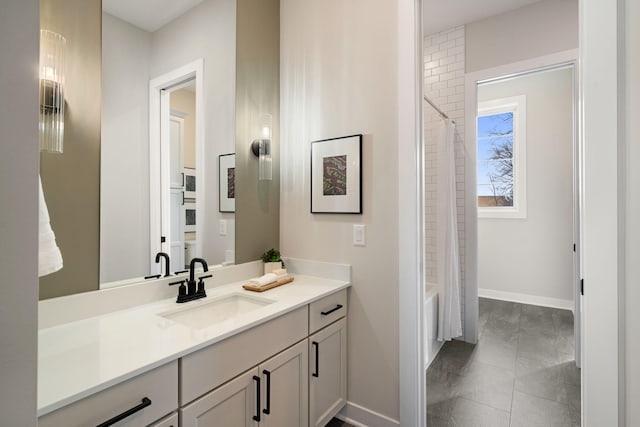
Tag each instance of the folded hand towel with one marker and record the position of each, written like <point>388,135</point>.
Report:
<point>264,280</point>
<point>49,256</point>
<point>281,272</point>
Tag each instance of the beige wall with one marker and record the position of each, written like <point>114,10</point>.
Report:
<point>534,255</point>
<point>257,93</point>
<point>184,100</point>
<point>339,78</point>
<point>71,181</point>
<point>19,225</point>
<point>536,30</point>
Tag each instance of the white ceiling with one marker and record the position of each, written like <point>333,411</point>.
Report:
<point>442,15</point>
<point>149,15</point>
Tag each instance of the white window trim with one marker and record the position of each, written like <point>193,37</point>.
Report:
<point>517,105</point>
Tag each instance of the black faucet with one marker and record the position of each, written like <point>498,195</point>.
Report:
<point>166,262</point>
<point>192,265</point>
<point>190,292</point>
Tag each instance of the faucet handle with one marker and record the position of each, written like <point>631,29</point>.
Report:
<point>179,282</point>
<point>201,290</point>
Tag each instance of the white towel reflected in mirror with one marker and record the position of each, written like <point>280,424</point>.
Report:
<point>49,256</point>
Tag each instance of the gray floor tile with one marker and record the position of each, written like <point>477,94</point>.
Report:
<point>505,310</point>
<point>496,351</point>
<point>338,423</point>
<point>436,421</point>
<point>570,372</point>
<point>543,379</point>
<point>531,411</point>
<point>537,347</point>
<point>522,371</point>
<point>486,384</point>
<point>472,414</point>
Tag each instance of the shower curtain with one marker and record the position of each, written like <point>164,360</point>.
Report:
<point>448,258</point>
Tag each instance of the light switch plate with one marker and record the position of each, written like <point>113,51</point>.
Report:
<point>358,235</point>
<point>223,227</point>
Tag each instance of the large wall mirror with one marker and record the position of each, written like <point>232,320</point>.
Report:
<point>182,86</point>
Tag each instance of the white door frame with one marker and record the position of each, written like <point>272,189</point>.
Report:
<point>413,382</point>
<point>569,57</point>
<point>159,89</point>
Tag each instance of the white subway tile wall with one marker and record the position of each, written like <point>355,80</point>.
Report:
<point>444,67</point>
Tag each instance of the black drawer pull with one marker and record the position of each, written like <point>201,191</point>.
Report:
<point>267,409</point>
<point>145,402</point>
<point>336,308</point>
<point>317,372</point>
<point>257,416</point>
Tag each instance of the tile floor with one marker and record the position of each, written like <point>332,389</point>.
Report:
<point>337,423</point>
<point>521,372</point>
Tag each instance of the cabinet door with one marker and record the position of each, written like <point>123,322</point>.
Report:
<point>286,388</point>
<point>168,421</point>
<point>231,405</point>
<point>328,372</point>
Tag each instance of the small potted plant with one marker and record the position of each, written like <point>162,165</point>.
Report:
<point>272,260</point>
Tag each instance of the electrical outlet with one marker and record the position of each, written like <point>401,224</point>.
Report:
<point>222,226</point>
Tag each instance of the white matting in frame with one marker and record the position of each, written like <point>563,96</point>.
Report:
<point>336,175</point>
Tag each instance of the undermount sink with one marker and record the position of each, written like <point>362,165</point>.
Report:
<point>205,313</point>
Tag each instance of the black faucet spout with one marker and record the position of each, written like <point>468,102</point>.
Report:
<point>192,267</point>
<point>166,262</point>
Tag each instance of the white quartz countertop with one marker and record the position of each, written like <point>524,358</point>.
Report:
<point>80,358</point>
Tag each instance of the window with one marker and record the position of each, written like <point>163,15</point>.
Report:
<point>501,158</point>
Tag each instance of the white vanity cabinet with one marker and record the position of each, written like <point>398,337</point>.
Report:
<point>147,397</point>
<point>232,404</point>
<point>275,393</point>
<point>288,371</point>
<point>327,358</point>
<point>169,421</point>
<point>285,388</point>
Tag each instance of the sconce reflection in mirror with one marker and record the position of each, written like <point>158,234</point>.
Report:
<point>261,148</point>
<point>51,124</point>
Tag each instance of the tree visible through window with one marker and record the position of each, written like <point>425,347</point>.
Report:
<point>495,160</point>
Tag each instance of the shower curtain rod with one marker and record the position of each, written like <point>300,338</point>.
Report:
<point>444,116</point>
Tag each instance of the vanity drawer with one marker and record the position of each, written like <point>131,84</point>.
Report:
<point>210,367</point>
<point>160,386</point>
<point>327,310</point>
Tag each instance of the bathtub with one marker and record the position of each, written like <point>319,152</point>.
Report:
<point>432,345</point>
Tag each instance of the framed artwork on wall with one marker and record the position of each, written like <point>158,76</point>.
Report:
<point>336,175</point>
<point>189,183</point>
<point>227,191</point>
<point>189,217</point>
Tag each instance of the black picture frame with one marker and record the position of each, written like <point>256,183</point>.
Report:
<point>226,183</point>
<point>336,175</point>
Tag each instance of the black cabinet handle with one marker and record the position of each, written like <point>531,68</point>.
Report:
<point>267,409</point>
<point>145,402</point>
<point>317,372</point>
<point>336,308</point>
<point>257,416</point>
<point>182,179</point>
<point>183,198</point>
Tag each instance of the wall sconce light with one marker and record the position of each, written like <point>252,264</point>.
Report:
<point>261,148</point>
<point>51,124</point>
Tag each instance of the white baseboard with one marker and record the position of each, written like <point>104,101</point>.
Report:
<point>360,416</point>
<point>526,299</point>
